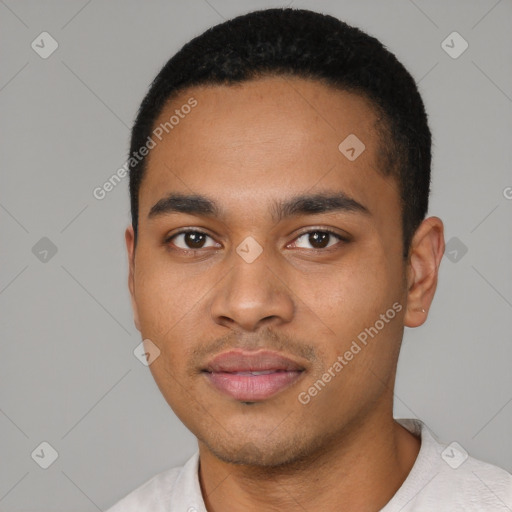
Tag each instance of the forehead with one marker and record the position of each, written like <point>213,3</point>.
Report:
<point>260,139</point>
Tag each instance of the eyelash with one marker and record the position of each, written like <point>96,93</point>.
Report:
<point>340,238</point>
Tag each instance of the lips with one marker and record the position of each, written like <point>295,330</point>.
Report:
<point>252,376</point>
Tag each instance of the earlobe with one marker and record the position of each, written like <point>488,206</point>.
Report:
<point>426,252</point>
<point>130,249</point>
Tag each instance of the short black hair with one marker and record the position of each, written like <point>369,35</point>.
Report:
<point>309,45</point>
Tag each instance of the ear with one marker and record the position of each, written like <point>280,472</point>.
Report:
<point>425,254</point>
<point>130,248</point>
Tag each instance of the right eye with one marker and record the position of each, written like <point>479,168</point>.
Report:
<point>189,240</point>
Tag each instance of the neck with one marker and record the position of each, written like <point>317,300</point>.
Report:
<point>361,470</point>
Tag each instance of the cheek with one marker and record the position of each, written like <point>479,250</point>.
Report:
<point>173,310</point>
<point>359,353</point>
<point>353,291</point>
<point>350,299</point>
<point>163,297</point>
<point>157,307</point>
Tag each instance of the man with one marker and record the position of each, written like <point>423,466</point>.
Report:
<point>279,187</point>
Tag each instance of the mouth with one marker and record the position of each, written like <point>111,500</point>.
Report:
<point>252,376</point>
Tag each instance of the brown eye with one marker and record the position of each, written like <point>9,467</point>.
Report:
<point>317,239</point>
<point>190,240</point>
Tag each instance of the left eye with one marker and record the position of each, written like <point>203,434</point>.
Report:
<point>317,239</point>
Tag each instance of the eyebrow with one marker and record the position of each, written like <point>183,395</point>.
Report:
<point>305,204</point>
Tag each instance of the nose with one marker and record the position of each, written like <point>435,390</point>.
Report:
<point>252,296</point>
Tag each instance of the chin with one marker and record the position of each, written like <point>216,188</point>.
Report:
<point>262,453</point>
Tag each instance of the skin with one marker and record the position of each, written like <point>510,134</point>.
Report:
<point>246,146</point>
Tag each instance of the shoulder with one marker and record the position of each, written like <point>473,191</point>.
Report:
<point>149,494</point>
<point>446,477</point>
<point>160,492</point>
<point>475,485</point>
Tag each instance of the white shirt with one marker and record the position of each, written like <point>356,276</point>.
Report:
<point>441,479</point>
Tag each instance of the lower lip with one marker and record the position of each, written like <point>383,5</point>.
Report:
<point>251,388</point>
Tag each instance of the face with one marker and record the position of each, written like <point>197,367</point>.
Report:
<point>268,269</point>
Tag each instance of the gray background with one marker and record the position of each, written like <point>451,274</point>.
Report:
<point>68,372</point>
